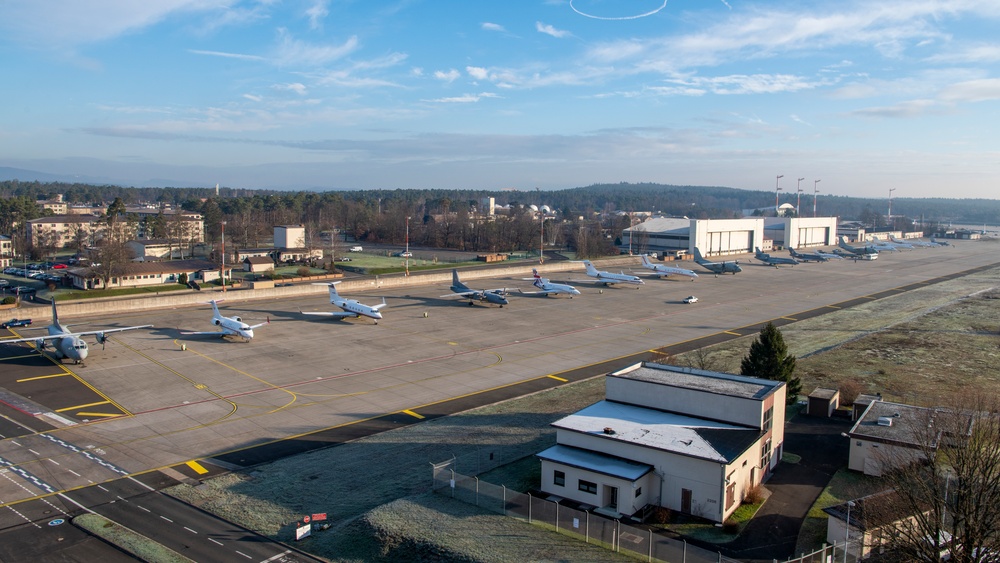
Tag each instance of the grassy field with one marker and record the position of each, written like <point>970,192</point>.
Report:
<point>912,347</point>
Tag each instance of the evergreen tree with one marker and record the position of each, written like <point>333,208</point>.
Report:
<point>769,359</point>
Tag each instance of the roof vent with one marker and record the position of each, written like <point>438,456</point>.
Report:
<point>609,430</point>
<point>885,421</point>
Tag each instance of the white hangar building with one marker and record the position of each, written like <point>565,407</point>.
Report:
<point>685,439</point>
<point>721,237</point>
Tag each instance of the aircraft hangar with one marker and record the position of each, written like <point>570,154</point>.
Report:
<point>722,237</point>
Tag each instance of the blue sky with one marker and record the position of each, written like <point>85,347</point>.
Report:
<point>863,96</point>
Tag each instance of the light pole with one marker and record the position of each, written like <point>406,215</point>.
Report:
<point>407,253</point>
<point>815,191</point>
<point>847,533</point>
<point>798,190</point>
<point>541,238</point>
<point>889,217</point>
<point>222,272</point>
<point>776,190</point>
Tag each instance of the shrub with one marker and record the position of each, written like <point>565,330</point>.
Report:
<point>659,515</point>
<point>303,272</point>
<point>849,391</point>
<point>9,300</point>
<point>183,278</point>
<point>731,527</point>
<point>754,495</point>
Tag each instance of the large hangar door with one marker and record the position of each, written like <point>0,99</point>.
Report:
<point>814,236</point>
<point>732,242</point>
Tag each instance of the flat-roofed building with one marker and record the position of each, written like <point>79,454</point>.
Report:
<point>689,440</point>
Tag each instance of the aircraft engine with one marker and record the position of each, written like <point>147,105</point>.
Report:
<point>237,319</point>
<point>102,339</point>
<point>217,322</point>
<point>40,344</point>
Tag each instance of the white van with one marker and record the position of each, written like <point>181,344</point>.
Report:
<point>356,249</point>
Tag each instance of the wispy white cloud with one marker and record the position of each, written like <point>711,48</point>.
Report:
<point>911,108</point>
<point>317,12</point>
<point>240,56</point>
<point>293,52</point>
<point>253,97</point>
<point>487,26</point>
<point>296,87</point>
<point>973,54</point>
<point>464,99</point>
<point>550,30</point>
<point>450,75</point>
<point>973,91</point>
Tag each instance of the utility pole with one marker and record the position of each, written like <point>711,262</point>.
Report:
<point>223,271</point>
<point>798,189</point>
<point>407,253</point>
<point>889,217</point>
<point>815,191</point>
<point>776,190</point>
<point>541,238</point>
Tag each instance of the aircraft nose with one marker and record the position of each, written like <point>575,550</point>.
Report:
<point>249,334</point>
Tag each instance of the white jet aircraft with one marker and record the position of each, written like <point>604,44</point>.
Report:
<point>66,343</point>
<point>548,288</point>
<point>229,326</point>
<point>350,307</point>
<point>666,271</point>
<point>609,278</point>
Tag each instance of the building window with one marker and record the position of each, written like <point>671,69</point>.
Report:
<point>588,487</point>
<point>765,454</point>
<point>768,419</point>
<point>638,491</point>
<point>559,478</point>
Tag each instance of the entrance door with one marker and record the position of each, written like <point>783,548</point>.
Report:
<point>611,497</point>
<point>686,501</point>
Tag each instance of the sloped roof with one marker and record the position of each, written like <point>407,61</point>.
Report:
<point>596,462</point>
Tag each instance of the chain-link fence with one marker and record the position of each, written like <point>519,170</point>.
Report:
<point>587,526</point>
<point>827,554</point>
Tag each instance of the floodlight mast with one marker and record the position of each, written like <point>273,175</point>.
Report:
<point>815,191</point>
<point>798,189</point>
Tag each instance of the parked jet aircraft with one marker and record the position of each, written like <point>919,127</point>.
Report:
<point>728,267</point>
<point>773,260</point>
<point>912,242</point>
<point>548,288</point>
<point>940,242</point>
<point>609,278</point>
<point>66,343</point>
<point>229,326</point>
<point>831,255</point>
<point>884,246</point>
<point>495,296</point>
<point>900,243</point>
<point>666,271</point>
<point>858,250</point>
<point>350,307</point>
<point>808,256</point>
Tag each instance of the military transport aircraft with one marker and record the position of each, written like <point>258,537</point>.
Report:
<point>609,278</point>
<point>350,307</point>
<point>940,242</point>
<point>666,271</point>
<point>728,267</point>
<point>494,296</point>
<point>228,326</point>
<point>66,343</point>
<point>548,288</point>
<point>858,250</point>
<point>773,260</point>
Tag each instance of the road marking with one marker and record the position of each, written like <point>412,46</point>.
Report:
<point>190,530</point>
<point>41,377</point>
<point>244,555</point>
<point>413,414</point>
<point>53,461</point>
<point>558,378</point>
<point>731,332</point>
<point>83,406</point>
<point>278,556</point>
<point>99,414</point>
<point>140,507</point>
<point>198,468</point>
<point>213,540</point>
<point>789,319</point>
<point>167,519</point>
<point>33,451</point>
<point>103,489</point>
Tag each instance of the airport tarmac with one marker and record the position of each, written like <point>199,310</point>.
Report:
<point>155,399</point>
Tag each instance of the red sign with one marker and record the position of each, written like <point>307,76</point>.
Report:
<point>319,517</point>
<point>305,519</point>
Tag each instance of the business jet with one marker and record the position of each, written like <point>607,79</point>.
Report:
<point>728,267</point>
<point>548,288</point>
<point>857,250</point>
<point>609,278</point>
<point>912,242</point>
<point>66,343</point>
<point>900,243</point>
<point>459,289</point>
<point>882,246</point>
<point>349,307</point>
<point>773,260</point>
<point>830,255</point>
<point>666,271</point>
<point>940,242</point>
<point>228,326</point>
<point>808,256</point>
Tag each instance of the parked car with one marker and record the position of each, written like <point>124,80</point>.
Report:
<point>59,266</point>
<point>4,283</point>
<point>405,254</point>
<point>356,249</point>
<point>691,299</point>
<point>15,323</point>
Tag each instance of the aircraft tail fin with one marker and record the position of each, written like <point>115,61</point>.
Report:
<point>333,291</point>
<point>645,260</point>
<point>697,256</point>
<point>55,315</point>
<point>215,308</point>
<point>455,282</point>
<point>591,270</point>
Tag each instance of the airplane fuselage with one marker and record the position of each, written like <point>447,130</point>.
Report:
<point>69,347</point>
<point>354,306</point>
<point>234,326</point>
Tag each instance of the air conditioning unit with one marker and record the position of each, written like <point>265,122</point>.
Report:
<point>885,421</point>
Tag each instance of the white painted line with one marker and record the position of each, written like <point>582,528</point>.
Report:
<point>33,451</point>
<point>214,541</point>
<point>103,489</point>
<point>74,473</point>
<point>53,461</point>
<point>14,442</point>
<point>278,556</point>
<point>63,495</point>
<point>141,483</point>
<point>190,530</point>
<point>244,555</point>
<point>143,508</point>
<point>167,519</point>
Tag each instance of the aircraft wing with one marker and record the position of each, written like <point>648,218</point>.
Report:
<point>339,315</point>
<point>539,292</point>
<point>463,294</point>
<point>258,325</point>
<point>379,306</point>
<point>70,334</point>
<point>213,332</point>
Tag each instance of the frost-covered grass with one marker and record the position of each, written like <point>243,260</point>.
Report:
<point>128,540</point>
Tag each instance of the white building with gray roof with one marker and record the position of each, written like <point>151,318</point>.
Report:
<point>688,440</point>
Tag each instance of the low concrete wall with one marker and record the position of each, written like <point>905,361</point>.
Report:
<point>174,299</point>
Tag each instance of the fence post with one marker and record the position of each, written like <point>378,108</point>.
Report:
<point>684,558</point>
<point>529,508</point>
<point>649,555</point>
<point>452,483</point>
<point>477,491</point>
<point>588,525</point>
<point>504,500</point>
<point>557,516</point>
<point>616,538</point>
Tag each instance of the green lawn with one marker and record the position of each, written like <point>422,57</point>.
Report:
<point>67,295</point>
<point>844,486</point>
